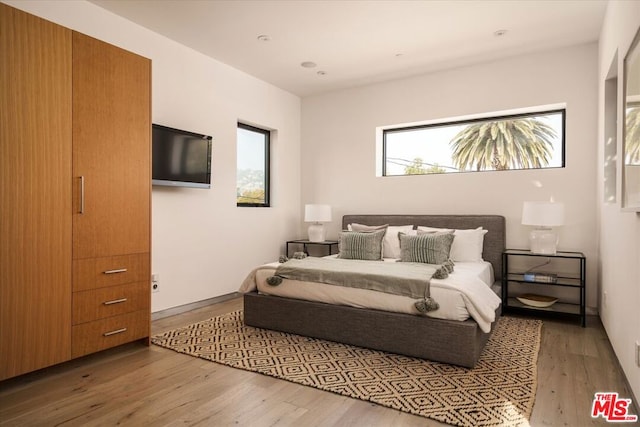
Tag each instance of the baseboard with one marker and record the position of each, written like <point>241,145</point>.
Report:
<point>192,306</point>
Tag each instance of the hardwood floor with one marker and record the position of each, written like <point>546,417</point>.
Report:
<point>138,385</point>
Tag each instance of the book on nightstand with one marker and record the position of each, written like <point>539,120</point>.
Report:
<point>540,277</point>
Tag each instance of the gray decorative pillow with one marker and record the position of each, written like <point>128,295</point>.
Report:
<point>360,245</point>
<point>367,228</point>
<point>431,248</point>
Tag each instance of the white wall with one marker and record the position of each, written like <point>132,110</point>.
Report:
<point>203,245</point>
<point>619,231</point>
<point>339,146</point>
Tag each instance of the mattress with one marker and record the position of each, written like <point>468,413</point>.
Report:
<point>452,293</point>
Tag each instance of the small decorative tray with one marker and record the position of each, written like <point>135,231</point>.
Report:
<point>534,300</point>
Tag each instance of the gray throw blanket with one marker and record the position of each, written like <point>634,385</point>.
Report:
<point>401,278</point>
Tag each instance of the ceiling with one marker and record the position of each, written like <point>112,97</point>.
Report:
<point>361,42</point>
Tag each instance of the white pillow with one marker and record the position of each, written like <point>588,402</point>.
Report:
<point>436,230</point>
<point>467,245</point>
<point>391,242</point>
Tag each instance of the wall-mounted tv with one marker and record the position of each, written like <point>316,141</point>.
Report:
<point>180,158</point>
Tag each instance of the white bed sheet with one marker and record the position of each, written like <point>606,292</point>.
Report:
<point>450,293</point>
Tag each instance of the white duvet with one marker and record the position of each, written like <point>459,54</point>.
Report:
<point>465,293</point>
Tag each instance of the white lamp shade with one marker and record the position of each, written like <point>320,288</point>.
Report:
<point>317,213</point>
<point>543,214</point>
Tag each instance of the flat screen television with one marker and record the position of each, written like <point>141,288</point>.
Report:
<point>180,158</point>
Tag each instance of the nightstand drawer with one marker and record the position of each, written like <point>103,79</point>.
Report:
<point>93,273</point>
<point>110,332</point>
<point>112,301</point>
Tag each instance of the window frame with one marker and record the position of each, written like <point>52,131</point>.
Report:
<point>267,165</point>
<point>391,129</point>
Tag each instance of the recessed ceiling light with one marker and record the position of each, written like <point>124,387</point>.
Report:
<point>264,38</point>
<point>500,33</point>
<point>322,73</point>
<point>308,64</point>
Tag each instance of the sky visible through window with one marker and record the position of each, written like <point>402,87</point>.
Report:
<point>432,145</point>
<point>250,150</point>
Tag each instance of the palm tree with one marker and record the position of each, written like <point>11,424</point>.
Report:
<point>503,144</point>
<point>632,137</point>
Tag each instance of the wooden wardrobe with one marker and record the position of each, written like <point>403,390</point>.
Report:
<point>75,176</point>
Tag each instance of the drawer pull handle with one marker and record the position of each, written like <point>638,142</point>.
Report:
<point>119,270</point>
<point>115,301</point>
<point>117,331</point>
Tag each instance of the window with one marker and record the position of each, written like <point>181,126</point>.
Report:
<point>519,141</point>
<point>252,181</point>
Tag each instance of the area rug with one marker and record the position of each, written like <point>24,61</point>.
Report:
<point>499,391</point>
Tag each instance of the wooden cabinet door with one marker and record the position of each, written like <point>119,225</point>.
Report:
<point>35,193</point>
<point>111,150</point>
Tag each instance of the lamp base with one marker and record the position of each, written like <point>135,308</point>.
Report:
<point>543,241</point>
<point>316,233</point>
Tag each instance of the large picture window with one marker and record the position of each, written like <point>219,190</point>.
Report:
<point>520,141</point>
<point>252,180</point>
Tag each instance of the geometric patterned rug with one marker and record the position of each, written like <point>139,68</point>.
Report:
<point>498,391</point>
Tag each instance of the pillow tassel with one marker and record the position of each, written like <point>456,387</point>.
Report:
<point>426,305</point>
<point>449,265</point>
<point>441,273</point>
<point>274,280</point>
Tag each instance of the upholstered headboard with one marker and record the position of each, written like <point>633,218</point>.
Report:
<point>494,240</point>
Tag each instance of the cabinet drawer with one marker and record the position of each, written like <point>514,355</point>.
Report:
<point>93,273</point>
<point>112,301</point>
<point>110,332</point>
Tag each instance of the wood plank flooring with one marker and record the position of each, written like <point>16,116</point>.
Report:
<point>137,385</point>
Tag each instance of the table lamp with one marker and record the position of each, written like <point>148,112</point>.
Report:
<point>543,215</point>
<point>317,214</point>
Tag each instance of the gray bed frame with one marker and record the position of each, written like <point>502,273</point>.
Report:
<point>447,341</point>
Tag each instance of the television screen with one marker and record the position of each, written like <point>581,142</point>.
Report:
<point>180,158</point>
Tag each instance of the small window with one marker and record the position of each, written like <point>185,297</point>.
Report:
<point>252,181</point>
<point>522,141</point>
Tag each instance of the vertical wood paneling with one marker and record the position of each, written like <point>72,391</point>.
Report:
<point>35,192</point>
<point>67,103</point>
<point>111,149</point>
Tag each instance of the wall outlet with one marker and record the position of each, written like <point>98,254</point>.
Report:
<point>155,282</point>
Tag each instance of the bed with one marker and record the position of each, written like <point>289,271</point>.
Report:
<point>448,340</point>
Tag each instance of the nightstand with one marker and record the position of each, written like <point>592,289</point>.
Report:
<point>329,244</point>
<point>523,273</point>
